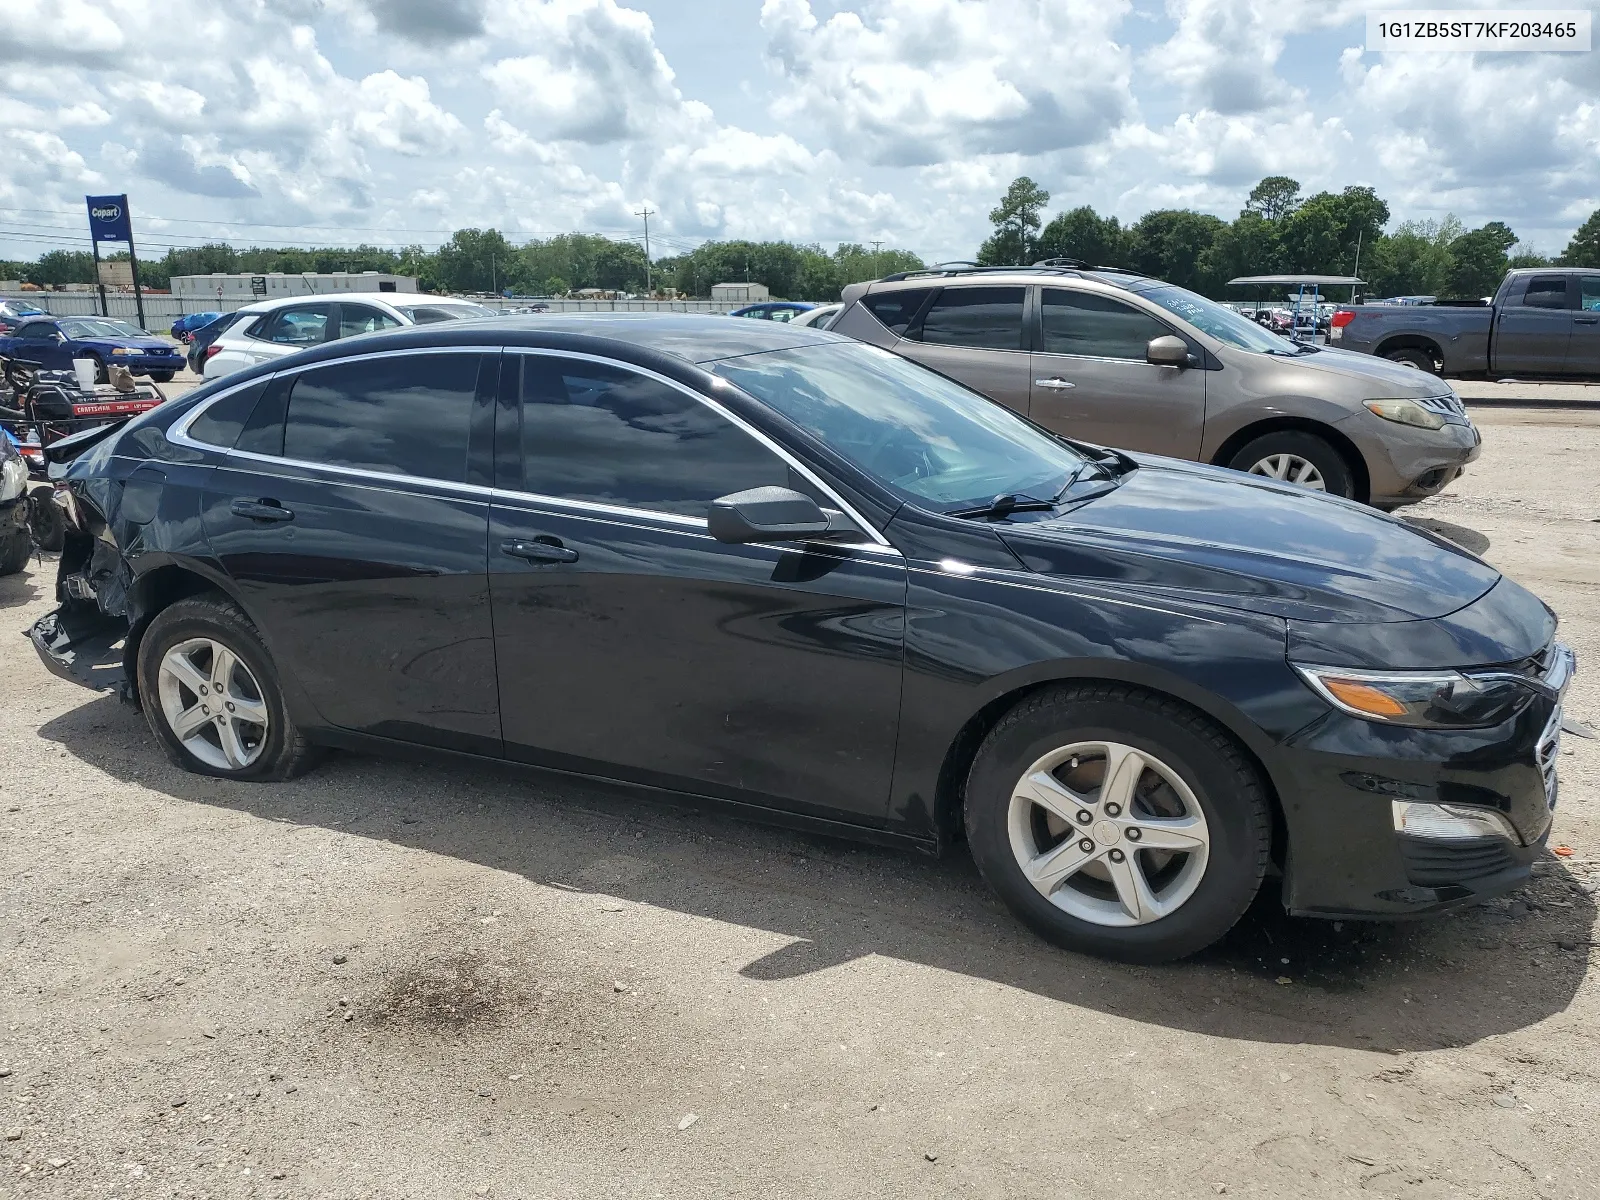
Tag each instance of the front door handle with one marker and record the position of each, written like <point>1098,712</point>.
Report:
<point>539,550</point>
<point>1585,320</point>
<point>260,510</point>
<point>1055,384</point>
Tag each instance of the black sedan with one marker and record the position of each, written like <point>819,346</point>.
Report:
<point>782,570</point>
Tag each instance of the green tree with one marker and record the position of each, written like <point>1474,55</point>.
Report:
<point>1322,235</point>
<point>1584,248</point>
<point>1414,260</point>
<point>475,260</point>
<point>1251,245</point>
<point>1085,235</point>
<point>1016,219</point>
<point>1479,260</point>
<point>1171,244</point>
<point>1527,256</point>
<point>62,266</point>
<point>1274,198</point>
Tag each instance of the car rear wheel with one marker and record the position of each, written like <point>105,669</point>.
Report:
<point>1117,822</point>
<point>1420,359</point>
<point>46,521</point>
<point>15,551</point>
<point>210,693</point>
<point>1303,459</point>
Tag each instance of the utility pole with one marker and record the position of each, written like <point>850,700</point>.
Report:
<point>877,247</point>
<point>647,214</point>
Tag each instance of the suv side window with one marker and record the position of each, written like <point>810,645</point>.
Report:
<point>358,318</point>
<point>896,310</point>
<point>988,318</point>
<point>300,325</point>
<point>1546,291</point>
<point>607,435</point>
<point>1095,326</point>
<point>409,414</point>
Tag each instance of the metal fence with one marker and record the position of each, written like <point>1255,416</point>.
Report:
<point>161,311</point>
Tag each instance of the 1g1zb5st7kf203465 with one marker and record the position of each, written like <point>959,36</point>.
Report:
<point>777,569</point>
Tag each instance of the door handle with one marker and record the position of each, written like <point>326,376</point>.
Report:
<point>1586,320</point>
<point>1055,384</point>
<point>260,510</point>
<point>539,550</point>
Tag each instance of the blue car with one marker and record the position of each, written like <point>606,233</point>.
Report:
<point>55,341</point>
<point>773,310</point>
<point>185,326</point>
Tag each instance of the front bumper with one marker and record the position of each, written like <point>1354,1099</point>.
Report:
<point>1339,780</point>
<point>145,364</point>
<point>1406,464</point>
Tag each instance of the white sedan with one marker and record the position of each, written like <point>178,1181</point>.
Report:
<point>275,328</point>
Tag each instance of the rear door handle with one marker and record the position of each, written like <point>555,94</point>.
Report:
<point>260,510</point>
<point>1055,384</point>
<point>538,550</point>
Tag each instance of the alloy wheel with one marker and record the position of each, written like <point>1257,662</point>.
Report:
<point>213,704</point>
<point>1291,468</point>
<point>1108,833</point>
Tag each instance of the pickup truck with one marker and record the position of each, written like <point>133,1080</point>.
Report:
<point>1543,322</point>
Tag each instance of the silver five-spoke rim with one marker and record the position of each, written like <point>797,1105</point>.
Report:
<point>1108,833</point>
<point>213,704</point>
<point>1291,468</point>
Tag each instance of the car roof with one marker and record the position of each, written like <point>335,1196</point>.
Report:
<point>390,298</point>
<point>651,339</point>
<point>1005,276</point>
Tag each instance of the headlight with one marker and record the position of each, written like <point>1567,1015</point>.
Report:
<point>1449,821</point>
<point>13,478</point>
<point>1426,699</point>
<point>1406,412</point>
<point>123,350</point>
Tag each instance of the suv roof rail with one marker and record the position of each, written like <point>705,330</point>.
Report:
<point>1077,264</point>
<point>943,269</point>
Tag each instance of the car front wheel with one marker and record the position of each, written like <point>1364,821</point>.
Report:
<point>1303,459</point>
<point>1117,822</point>
<point>210,692</point>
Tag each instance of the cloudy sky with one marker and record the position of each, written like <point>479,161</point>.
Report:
<point>396,121</point>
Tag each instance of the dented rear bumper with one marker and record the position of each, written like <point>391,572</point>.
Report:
<point>84,646</point>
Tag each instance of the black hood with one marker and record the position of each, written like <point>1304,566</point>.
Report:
<point>1245,542</point>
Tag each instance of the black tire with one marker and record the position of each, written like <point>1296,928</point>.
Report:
<point>161,376</point>
<point>101,375</point>
<point>1337,477</point>
<point>1420,359</point>
<point>1229,790</point>
<point>46,521</point>
<point>285,752</point>
<point>15,551</point>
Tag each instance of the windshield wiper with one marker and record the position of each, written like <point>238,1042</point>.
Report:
<point>1003,506</point>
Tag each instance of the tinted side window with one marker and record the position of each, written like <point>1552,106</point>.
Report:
<point>1546,291</point>
<point>896,309</point>
<point>221,423</point>
<point>986,317</point>
<point>305,325</point>
<point>406,415</point>
<point>1589,299</point>
<point>358,318</point>
<point>598,433</point>
<point>39,331</point>
<point>1096,326</point>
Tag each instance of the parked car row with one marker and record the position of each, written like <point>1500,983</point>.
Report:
<point>54,342</point>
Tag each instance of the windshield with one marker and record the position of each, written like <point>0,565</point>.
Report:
<point>1221,323</point>
<point>23,309</point>
<point>100,329</point>
<point>429,314</point>
<point>927,437</point>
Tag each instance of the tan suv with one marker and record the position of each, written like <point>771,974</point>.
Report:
<point>1122,360</point>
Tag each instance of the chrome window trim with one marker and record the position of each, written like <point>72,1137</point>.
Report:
<point>875,537</point>
<point>179,435</point>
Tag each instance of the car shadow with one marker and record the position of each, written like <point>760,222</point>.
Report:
<point>1464,536</point>
<point>1449,981</point>
<point>28,584</point>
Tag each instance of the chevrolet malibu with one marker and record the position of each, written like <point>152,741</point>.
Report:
<point>810,581</point>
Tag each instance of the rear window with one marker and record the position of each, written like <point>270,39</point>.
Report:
<point>222,422</point>
<point>896,309</point>
<point>986,318</point>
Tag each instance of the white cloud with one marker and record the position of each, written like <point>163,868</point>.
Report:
<point>398,114</point>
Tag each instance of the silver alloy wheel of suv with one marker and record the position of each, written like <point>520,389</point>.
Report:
<point>1108,833</point>
<point>1291,468</point>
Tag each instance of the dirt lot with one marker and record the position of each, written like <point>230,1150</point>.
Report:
<point>385,980</point>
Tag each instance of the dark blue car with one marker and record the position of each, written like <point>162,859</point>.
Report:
<point>54,342</point>
<point>773,310</point>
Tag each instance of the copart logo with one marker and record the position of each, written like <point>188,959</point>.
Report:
<point>106,212</point>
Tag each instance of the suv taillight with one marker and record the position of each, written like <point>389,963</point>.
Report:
<point>1342,318</point>
<point>212,349</point>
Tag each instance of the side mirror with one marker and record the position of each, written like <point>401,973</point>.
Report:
<point>774,514</point>
<point>1167,351</point>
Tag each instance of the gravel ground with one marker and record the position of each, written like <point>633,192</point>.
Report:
<point>386,980</point>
